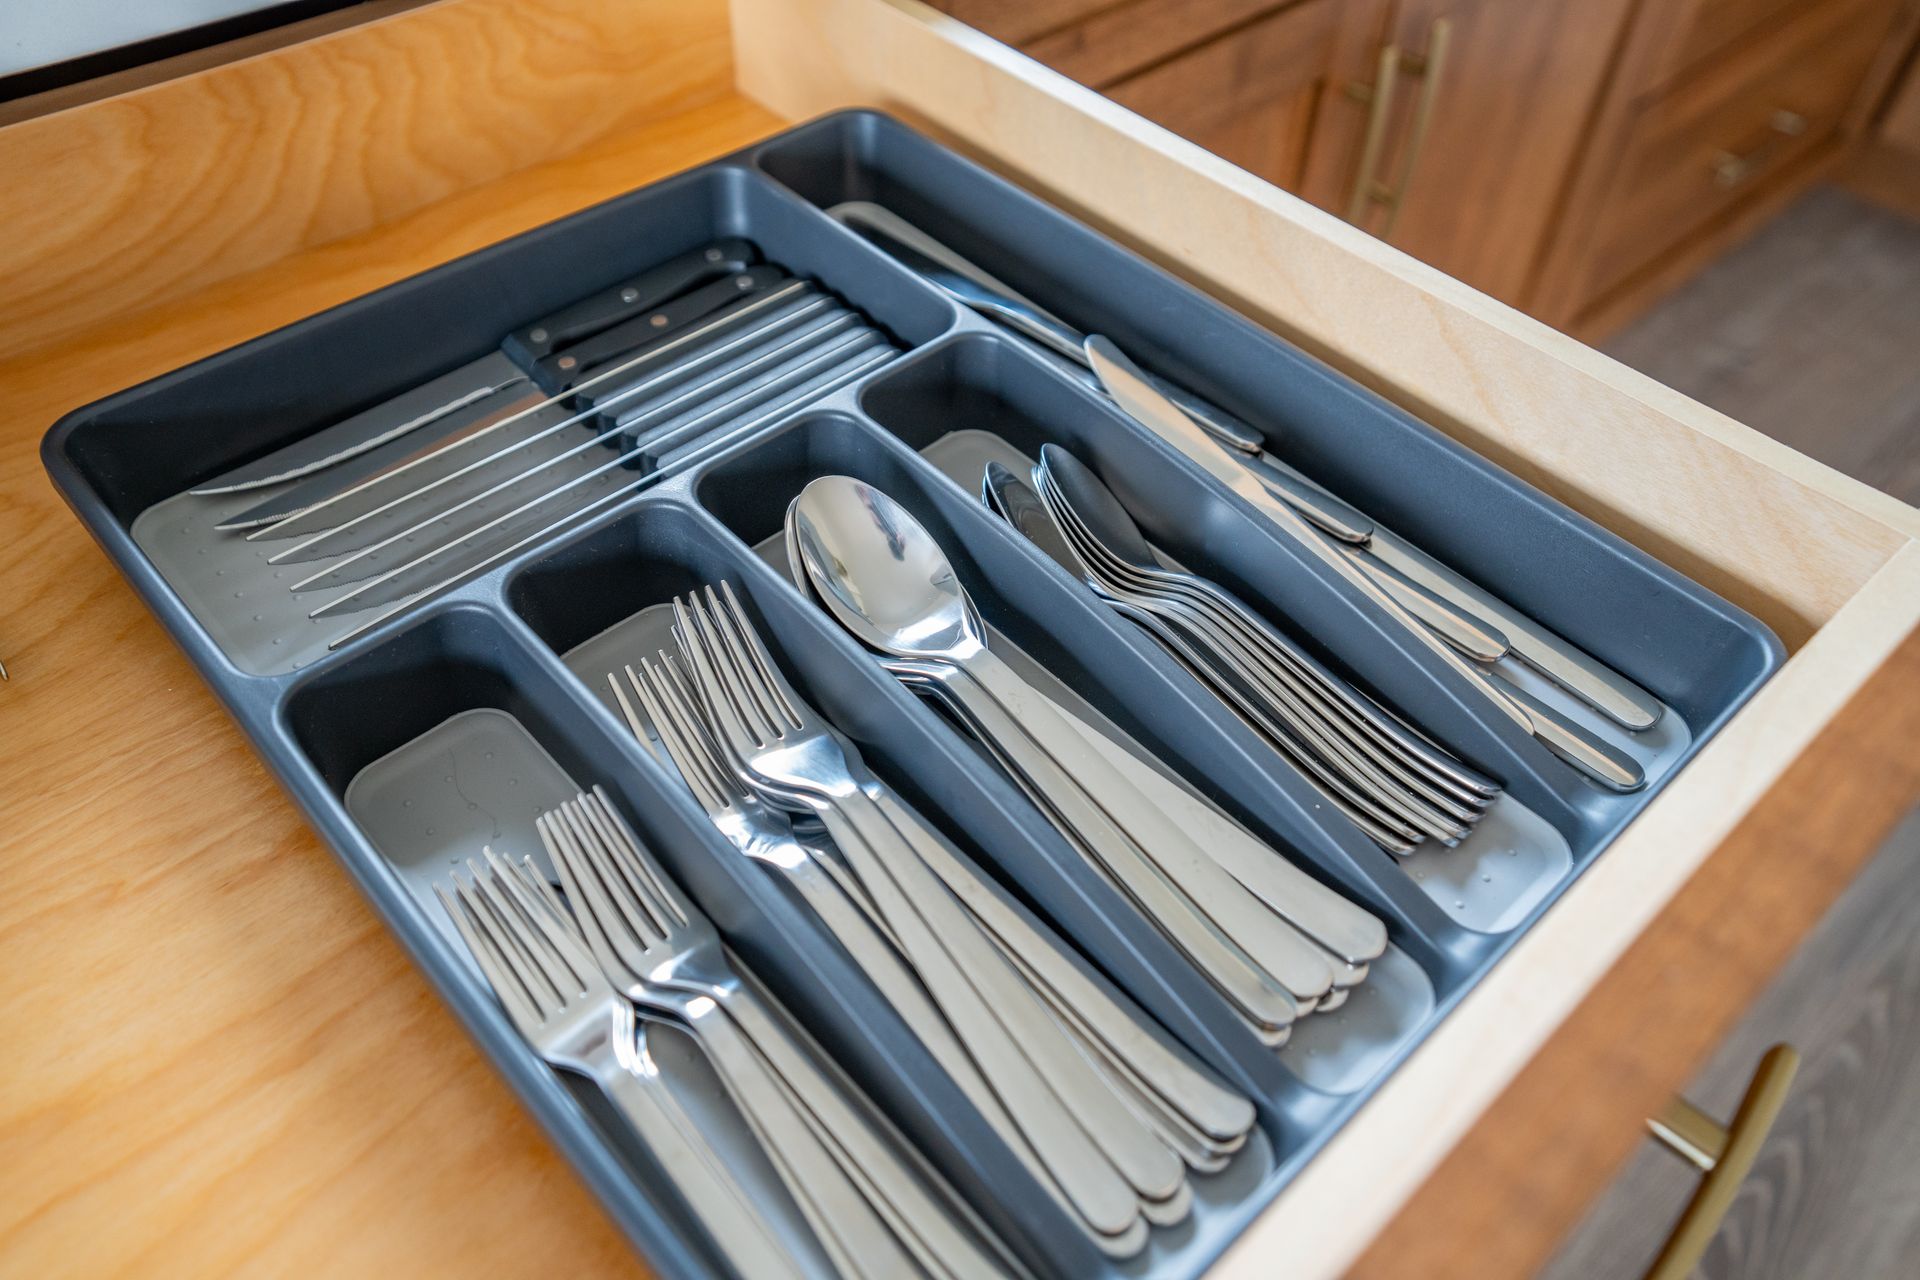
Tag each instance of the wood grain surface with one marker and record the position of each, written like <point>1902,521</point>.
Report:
<point>218,1062</point>
<point>150,195</point>
<point>1835,1190</point>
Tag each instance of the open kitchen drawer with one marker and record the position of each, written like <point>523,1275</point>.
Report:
<point>1828,564</point>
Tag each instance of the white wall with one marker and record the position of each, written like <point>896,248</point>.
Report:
<point>34,33</point>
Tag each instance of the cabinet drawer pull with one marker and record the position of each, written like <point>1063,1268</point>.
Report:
<point>1427,66</point>
<point>1731,168</point>
<point>1379,97</point>
<point>1724,1153</point>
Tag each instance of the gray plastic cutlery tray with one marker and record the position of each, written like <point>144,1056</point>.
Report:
<point>499,680</point>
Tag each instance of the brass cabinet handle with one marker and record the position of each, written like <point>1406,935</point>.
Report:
<point>1427,66</point>
<point>1731,168</point>
<point>1725,1154</point>
<point>1379,97</point>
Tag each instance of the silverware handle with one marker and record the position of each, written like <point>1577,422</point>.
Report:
<point>718,1202</point>
<point>1200,1096</point>
<point>1341,926</point>
<point>1472,638</point>
<point>1586,677</point>
<point>875,849</point>
<point>874,1161</point>
<point>1612,769</point>
<point>1298,965</point>
<point>845,1225</point>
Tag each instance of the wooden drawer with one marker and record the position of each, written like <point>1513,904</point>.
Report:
<point>390,1107</point>
<point>1698,29</point>
<point>1259,95</point>
<point>1715,140</point>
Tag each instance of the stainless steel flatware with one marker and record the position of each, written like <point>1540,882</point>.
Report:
<point>567,1011</point>
<point>484,380</point>
<point>341,490</point>
<point>876,1214</point>
<point>1479,624</point>
<point>1190,1110</point>
<point>882,576</point>
<point>972,287</point>
<point>1396,785</point>
<point>1596,759</point>
<point>1104,1160</point>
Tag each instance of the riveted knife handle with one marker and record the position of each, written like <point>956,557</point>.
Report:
<point>566,369</point>
<point>601,311</point>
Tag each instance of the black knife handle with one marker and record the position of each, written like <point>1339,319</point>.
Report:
<point>567,369</point>
<point>601,311</point>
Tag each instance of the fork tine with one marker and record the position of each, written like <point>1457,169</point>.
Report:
<point>743,684</point>
<point>521,1007</point>
<point>731,730</point>
<point>544,940</point>
<point>599,919</point>
<point>633,857</point>
<point>634,722</point>
<point>510,944</point>
<point>698,642</point>
<point>754,682</point>
<point>678,736</point>
<point>677,688</point>
<point>647,924</point>
<point>741,631</point>
<point>527,880</point>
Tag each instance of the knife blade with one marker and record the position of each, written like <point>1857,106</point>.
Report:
<point>481,379</point>
<point>1128,386</point>
<point>368,463</point>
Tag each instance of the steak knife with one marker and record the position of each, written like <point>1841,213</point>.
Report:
<point>367,463</point>
<point>481,380</point>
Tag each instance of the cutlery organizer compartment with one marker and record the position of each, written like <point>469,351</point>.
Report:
<point>406,736</point>
<point>509,655</point>
<point>255,399</point>
<point>1697,653</point>
<point>601,599</point>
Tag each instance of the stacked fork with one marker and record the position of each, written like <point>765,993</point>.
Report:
<point>572,981</point>
<point>1100,1106</point>
<point>1391,781</point>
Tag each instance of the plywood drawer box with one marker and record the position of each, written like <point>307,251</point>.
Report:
<point>1830,565</point>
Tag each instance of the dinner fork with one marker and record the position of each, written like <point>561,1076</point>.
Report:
<point>1104,1158</point>
<point>766,835</point>
<point>567,1011</point>
<point>1191,1110</point>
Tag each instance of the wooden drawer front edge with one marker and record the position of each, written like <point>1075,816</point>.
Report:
<point>1502,1201</point>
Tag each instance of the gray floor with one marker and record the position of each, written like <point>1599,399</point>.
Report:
<point>1811,333</point>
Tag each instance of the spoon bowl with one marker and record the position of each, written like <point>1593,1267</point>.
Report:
<point>880,573</point>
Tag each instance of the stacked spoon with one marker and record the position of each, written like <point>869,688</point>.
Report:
<point>1395,784</point>
<point>1273,941</point>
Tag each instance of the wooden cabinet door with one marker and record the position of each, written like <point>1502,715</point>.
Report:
<point>1515,92</point>
<point>1267,95</point>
